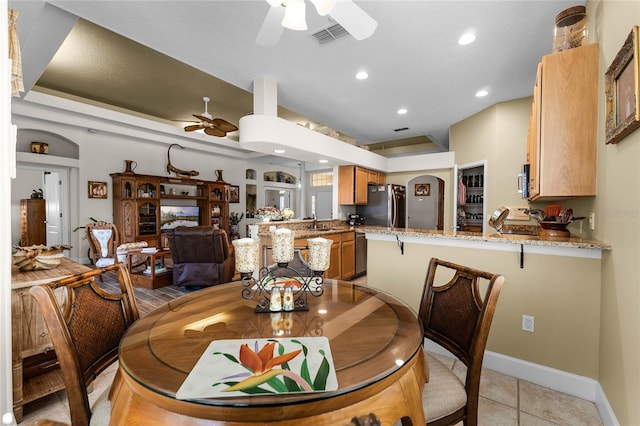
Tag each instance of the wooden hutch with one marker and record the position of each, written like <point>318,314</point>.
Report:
<point>137,199</point>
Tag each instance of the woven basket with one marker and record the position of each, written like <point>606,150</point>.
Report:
<point>33,258</point>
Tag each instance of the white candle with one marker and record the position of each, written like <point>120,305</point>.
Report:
<point>319,253</point>
<point>282,245</point>
<point>246,254</point>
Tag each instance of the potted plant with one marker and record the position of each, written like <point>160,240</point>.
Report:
<point>234,220</point>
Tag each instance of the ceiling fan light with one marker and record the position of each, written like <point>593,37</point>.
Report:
<point>323,7</point>
<point>294,15</point>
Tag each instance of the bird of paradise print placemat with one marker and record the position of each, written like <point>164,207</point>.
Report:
<point>242,367</point>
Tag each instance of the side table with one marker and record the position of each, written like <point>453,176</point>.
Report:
<point>154,279</point>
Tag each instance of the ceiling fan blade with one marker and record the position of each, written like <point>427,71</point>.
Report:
<point>353,19</point>
<point>271,29</point>
<point>224,125</point>
<point>213,131</point>
<point>203,118</point>
<point>192,128</point>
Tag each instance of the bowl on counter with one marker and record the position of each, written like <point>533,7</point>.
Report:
<point>553,229</point>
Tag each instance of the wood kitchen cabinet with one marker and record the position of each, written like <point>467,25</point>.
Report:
<point>353,184</point>
<point>561,142</point>
<point>376,177</point>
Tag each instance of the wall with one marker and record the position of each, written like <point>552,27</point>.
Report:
<point>617,208</point>
<point>102,153</point>
<point>566,326</point>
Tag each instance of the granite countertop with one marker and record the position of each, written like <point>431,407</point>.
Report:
<point>572,242</point>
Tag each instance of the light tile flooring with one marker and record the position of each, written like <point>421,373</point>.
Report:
<point>504,400</point>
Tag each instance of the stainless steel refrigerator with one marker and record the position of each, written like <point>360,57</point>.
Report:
<point>386,206</point>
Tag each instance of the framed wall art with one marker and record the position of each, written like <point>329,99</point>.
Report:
<point>97,189</point>
<point>621,91</point>
<point>423,189</point>
<point>234,194</point>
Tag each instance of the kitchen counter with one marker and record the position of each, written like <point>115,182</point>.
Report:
<point>409,234</point>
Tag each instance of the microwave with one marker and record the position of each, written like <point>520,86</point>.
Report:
<point>523,181</point>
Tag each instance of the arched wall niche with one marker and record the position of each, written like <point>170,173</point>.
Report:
<point>59,146</point>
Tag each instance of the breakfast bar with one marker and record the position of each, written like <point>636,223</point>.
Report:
<point>556,281</point>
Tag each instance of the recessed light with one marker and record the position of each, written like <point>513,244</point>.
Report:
<point>481,93</point>
<point>402,111</point>
<point>324,161</point>
<point>279,151</point>
<point>362,75</point>
<point>466,38</point>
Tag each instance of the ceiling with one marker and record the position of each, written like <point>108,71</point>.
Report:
<point>158,59</point>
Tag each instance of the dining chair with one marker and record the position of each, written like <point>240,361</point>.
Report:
<point>103,238</point>
<point>86,325</point>
<point>456,316</point>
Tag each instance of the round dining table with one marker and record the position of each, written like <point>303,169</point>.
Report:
<point>375,342</point>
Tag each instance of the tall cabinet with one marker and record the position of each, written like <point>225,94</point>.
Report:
<point>138,200</point>
<point>561,143</point>
<point>33,222</point>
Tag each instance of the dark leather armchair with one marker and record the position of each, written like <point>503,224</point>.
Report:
<point>202,256</point>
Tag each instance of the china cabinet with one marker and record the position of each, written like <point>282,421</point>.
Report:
<point>138,201</point>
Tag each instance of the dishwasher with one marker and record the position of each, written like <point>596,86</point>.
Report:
<point>361,254</point>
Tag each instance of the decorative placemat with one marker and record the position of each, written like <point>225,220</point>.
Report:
<point>242,367</point>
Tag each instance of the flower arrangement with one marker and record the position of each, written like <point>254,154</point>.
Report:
<point>287,213</point>
<point>267,212</point>
<point>235,218</point>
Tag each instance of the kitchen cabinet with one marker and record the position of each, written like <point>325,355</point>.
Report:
<point>348,255</point>
<point>561,145</point>
<point>33,222</point>
<point>353,182</point>
<point>352,185</point>
<point>376,177</point>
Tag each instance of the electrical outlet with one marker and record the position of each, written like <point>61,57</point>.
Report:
<point>592,221</point>
<point>528,323</point>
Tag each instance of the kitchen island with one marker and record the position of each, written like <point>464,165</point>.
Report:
<point>557,281</point>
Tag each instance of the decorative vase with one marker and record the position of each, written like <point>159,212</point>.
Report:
<point>219,176</point>
<point>234,229</point>
<point>130,166</point>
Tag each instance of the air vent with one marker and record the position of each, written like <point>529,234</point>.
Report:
<point>401,129</point>
<point>330,34</point>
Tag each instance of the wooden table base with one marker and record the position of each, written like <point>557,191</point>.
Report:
<point>391,399</point>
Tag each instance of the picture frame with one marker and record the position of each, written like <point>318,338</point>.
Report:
<point>234,194</point>
<point>422,189</point>
<point>97,189</point>
<point>621,90</point>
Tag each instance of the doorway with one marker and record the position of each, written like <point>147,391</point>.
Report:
<point>425,203</point>
<point>54,182</point>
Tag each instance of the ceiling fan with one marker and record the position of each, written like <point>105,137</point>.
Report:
<point>212,126</point>
<point>291,14</point>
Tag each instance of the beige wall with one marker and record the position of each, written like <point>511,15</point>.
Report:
<point>617,209</point>
<point>562,293</point>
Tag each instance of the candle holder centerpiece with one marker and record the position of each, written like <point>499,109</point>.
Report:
<point>282,287</point>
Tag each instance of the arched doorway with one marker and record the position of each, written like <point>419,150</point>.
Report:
<point>425,202</point>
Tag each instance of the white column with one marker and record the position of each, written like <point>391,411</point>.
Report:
<point>7,170</point>
<point>265,96</point>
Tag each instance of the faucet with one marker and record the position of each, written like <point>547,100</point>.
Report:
<point>315,222</point>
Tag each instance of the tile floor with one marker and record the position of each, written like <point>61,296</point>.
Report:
<point>504,400</point>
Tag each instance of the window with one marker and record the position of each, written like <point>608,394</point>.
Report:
<point>322,179</point>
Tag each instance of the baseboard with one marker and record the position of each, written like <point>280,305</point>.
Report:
<point>561,381</point>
